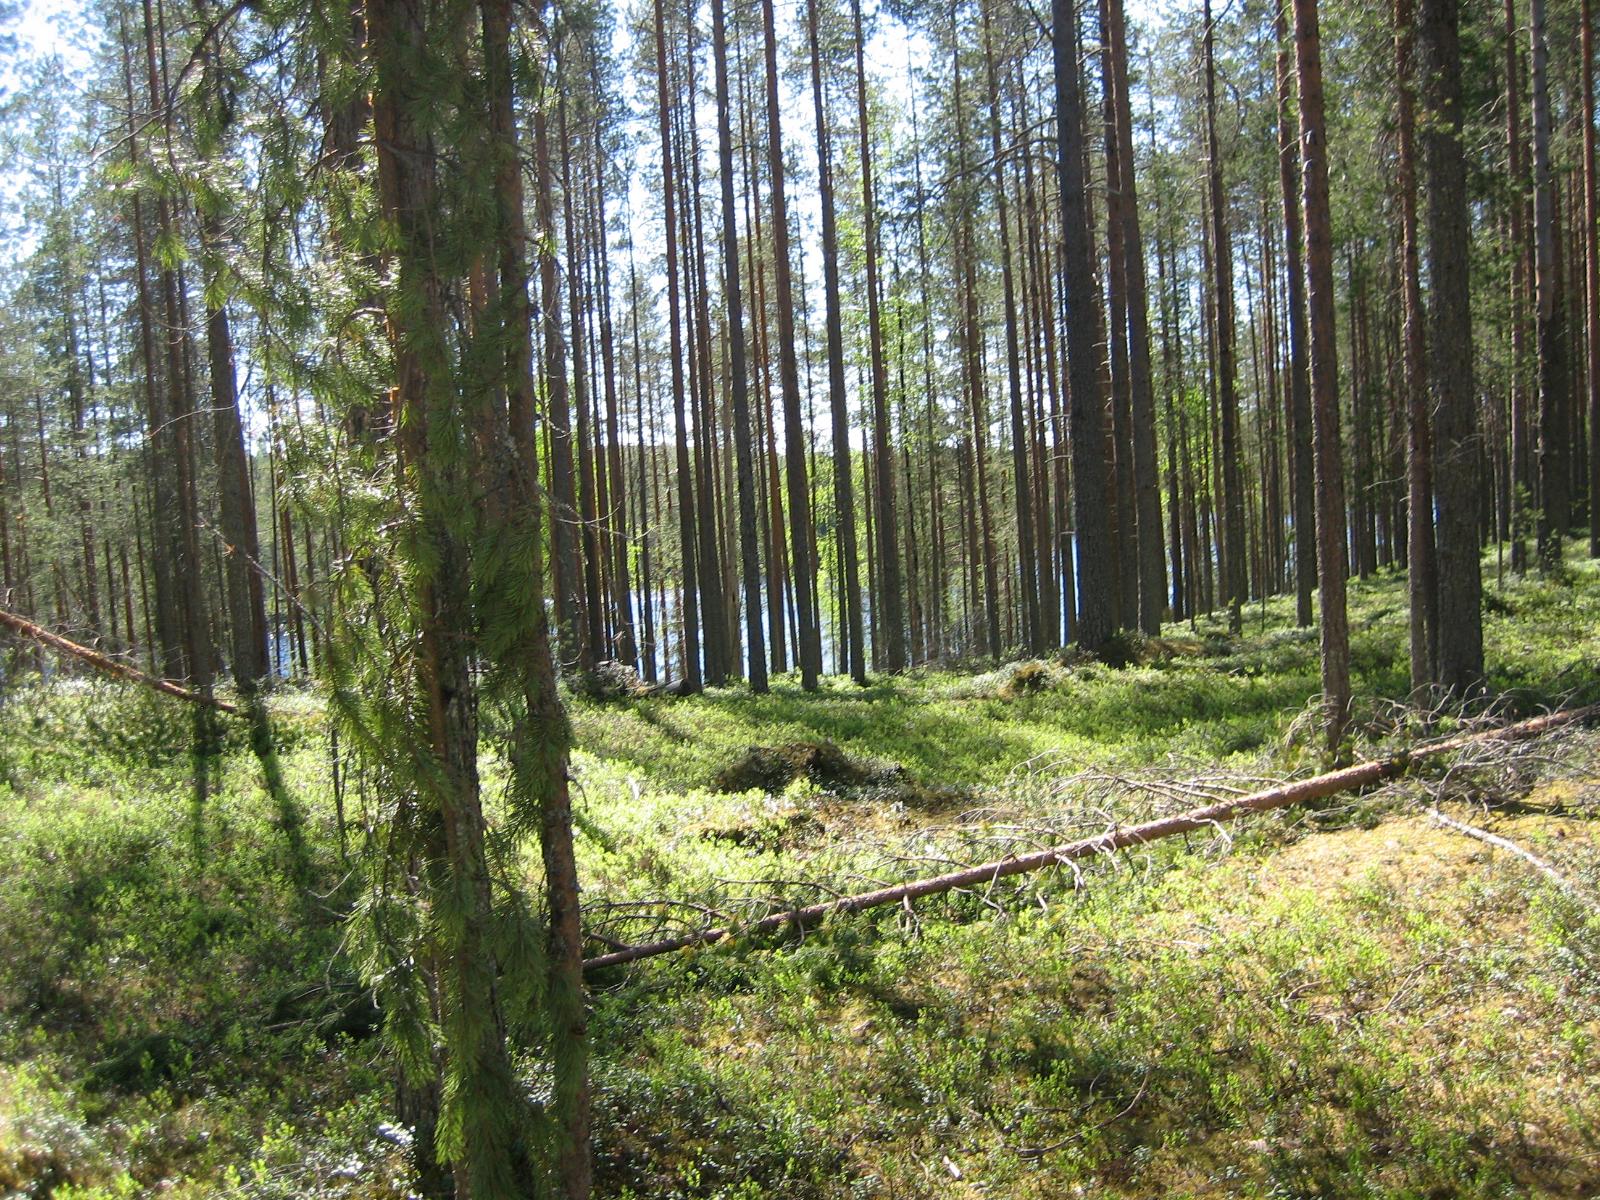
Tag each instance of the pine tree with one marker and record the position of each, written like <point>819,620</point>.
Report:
<point>1458,666</point>
<point>1550,314</point>
<point>844,503</point>
<point>749,551</point>
<point>1331,529</point>
<point>1094,577</point>
<point>1422,583</point>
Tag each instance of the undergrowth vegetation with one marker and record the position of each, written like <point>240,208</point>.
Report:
<point>1351,1001</point>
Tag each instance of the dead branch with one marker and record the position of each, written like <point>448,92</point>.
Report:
<point>106,664</point>
<point>1301,791</point>
<point>1510,847</point>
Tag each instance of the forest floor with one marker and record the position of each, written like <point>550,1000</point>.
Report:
<point>1350,1000</point>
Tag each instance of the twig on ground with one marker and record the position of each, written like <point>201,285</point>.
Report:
<point>1510,847</point>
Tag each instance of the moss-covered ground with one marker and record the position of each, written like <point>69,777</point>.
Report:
<point>1352,1001</point>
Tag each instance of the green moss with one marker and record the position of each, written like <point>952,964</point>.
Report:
<point>1355,1005</point>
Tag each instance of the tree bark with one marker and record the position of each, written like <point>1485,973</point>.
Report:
<point>1550,326</point>
<point>1302,456</point>
<point>1027,566</point>
<point>437,466</point>
<point>714,639</point>
<point>1095,584</point>
<point>1591,270</point>
<point>571,639</point>
<point>1420,564</point>
<point>743,436</point>
<point>582,449</point>
<point>1146,474</point>
<point>1233,531</point>
<point>808,644</point>
<point>888,600</point>
<point>1331,527</point>
<point>542,736</point>
<point>1459,495</point>
<point>166,646</point>
<point>689,600</point>
<point>844,498</point>
<point>110,666</point>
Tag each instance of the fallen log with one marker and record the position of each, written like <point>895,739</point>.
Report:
<point>106,664</point>
<point>1317,787</point>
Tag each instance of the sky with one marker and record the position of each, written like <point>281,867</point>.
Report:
<point>58,26</point>
<point>42,28</point>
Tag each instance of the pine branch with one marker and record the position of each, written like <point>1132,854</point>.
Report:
<point>106,664</point>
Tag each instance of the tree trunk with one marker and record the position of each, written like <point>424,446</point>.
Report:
<point>1303,493</point>
<point>1300,791</point>
<point>1233,533</point>
<point>437,466</point>
<point>1095,582</point>
<point>888,600</point>
<point>844,500</point>
<point>689,600</point>
<point>1324,375</point>
<point>542,736</point>
<point>713,596</point>
<point>1458,640</point>
<point>809,643</point>
<point>744,447</point>
<point>614,521</point>
<point>571,641</point>
<point>1521,474</point>
<point>166,648</point>
<point>1119,452</point>
<point>1027,567</point>
<point>1591,271</point>
<point>246,598</point>
<point>1420,564</point>
<point>583,449</point>
<point>1146,475</point>
<point>1550,327</point>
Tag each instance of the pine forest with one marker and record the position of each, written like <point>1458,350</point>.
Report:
<point>720,599</point>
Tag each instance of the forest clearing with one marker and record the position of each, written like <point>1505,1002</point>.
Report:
<point>1349,999</point>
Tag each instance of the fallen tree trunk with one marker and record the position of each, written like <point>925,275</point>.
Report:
<point>1299,792</point>
<point>106,664</point>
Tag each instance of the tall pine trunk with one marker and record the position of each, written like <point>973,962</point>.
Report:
<point>1331,529</point>
<point>1591,271</point>
<point>1301,454</point>
<point>1420,564</point>
<point>542,735</point>
<point>744,448</point>
<point>888,598</point>
<point>1233,532</point>
<point>1550,315</point>
<point>1459,495</point>
<point>438,464</point>
<point>1146,477</point>
<point>1094,581</point>
<point>1027,567</point>
<point>808,643</point>
<point>844,499</point>
<point>688,613</point>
